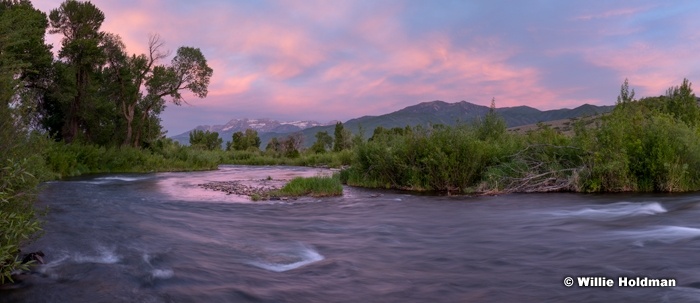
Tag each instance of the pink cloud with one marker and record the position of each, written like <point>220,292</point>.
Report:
<point>339,59</point>
<point>650,68</point>
<point>233,86</point>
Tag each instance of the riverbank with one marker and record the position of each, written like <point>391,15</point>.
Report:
<point>69,160</point>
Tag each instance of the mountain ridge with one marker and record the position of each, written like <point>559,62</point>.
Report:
<point>261,125</point>
<point>424,113</point>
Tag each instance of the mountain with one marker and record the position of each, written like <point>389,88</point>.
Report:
<point>425,113</point>
<point>440,112</point>
<point>261,125</point>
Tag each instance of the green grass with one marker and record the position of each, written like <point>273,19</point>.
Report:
<point>329,159</point>
<point>312,186</point>
<point>65,160</point>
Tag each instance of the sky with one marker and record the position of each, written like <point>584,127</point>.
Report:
<point>329,60</point>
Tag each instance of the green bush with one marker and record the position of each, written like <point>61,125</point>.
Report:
<point>648,145</point>
<point>439,158</point>
<point>21,170</point>
<point>645,150</point>
<point>75,159</point>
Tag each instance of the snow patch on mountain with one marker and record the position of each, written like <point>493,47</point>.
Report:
<point>261,125</point>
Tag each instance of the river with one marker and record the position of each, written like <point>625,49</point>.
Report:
<point>160,238</point>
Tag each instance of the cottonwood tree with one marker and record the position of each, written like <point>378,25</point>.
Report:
<point>323,142</point>
<point>342,137</point>
<point>273,146</point>
<point>205,140</point>
<point>136,75</point>
<point>292,144</point>
<point>80,23</point>
<point>288,146</point>
<point>188,71</point>
<point>244,141</point>
<point>114,96</point>
<point>130,73</point>
<point>25,58</point>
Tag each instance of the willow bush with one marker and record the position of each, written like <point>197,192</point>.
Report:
<point>440,158</point>
<point>21,170</point>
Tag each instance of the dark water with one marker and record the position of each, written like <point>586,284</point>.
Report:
<point>159,238</point>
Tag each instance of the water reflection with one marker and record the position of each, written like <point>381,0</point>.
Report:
<point>185,187</point>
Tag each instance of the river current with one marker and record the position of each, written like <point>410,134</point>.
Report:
<point>161,238</point>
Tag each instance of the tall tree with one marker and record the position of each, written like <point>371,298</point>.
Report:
<point>683,104</point>
<point>56,100</point>
<point>244,141</point>
<point>25,58</point>
<point>274,145</point>
<point>80,23</point>
<point>323,142</point>
<point>626,95</point>
<point>493,125</point>
<point>339,137</point>
<point>292,144</point>
<point>188,71</point>
<point>129,74</point>
<point>237,142</point>
<point>205,139</point>
<point>253,139</point>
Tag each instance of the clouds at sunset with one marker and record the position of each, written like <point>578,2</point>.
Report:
<point>327,60</point>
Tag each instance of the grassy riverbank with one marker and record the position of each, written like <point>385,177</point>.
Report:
<point>64,160</point>
<point>651,144</point>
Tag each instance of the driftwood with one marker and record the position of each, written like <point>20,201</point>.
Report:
<point>536,171</point>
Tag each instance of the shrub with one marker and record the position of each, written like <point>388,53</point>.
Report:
<point>438,158</point>
<point>313,186</point>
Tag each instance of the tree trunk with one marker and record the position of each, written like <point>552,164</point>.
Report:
<point>72,125</point>
<point>129,116</point>
<point>144,116</point>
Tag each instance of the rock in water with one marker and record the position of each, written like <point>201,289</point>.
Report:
<point>37,256</point>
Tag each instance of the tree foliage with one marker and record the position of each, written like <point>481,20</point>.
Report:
<point>273,146</point>
<point>626,95</point>
<point>101,94</point>
<point>649,144</point>
<point>288,146</point>
<point>244,140</point>
<point>205,140</point>
<point>79,23</point>
<point>323,142</point>
<point>682,103</point>
<point>23,57</point>
<point>493,125</point>
<point>342,138</point>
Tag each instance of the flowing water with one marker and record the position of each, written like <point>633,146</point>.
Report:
<point>161,238</point>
